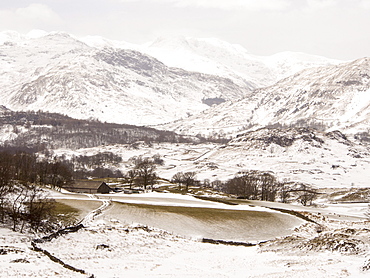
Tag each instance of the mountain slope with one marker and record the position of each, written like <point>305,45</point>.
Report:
<point>298,154</point>
<point>58,73</point>
<point>40,130</point>
<point>333,97</point>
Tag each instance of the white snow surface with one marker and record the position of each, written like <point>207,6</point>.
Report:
<point>108,248</point>
<point>168,199</point>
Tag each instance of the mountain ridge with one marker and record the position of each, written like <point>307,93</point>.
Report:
<point>214,56</point>
<point>85,82</point>
<point>116,82</point>
<point>334,97</point>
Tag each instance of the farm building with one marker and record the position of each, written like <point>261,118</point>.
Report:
<point>104,188</point>
<point>90,187</point>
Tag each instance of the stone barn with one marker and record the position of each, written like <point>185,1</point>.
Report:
<point>90,187</point>
<point>104,188</point>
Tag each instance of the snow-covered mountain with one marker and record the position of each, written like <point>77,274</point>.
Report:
<point>155,83</point>
<point>332,97</point>
<point>59,73</point>
<point>217,57</point>
<point>214,56</point>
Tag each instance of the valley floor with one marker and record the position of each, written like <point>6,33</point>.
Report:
<point>108,247</point>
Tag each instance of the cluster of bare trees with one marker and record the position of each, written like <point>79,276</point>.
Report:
<point>186,179</point>
<point>260,185</point>
<point>304,194</point>
<point>143,174</point>
<point>22,201</point>
<point>253,184</point>
<point>98,163</point>
<point>26,168</point>
<point>97,160</point>
<point>27,206</point>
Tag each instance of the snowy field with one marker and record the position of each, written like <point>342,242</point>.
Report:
<point>136,251</point>
<point>108,246</point>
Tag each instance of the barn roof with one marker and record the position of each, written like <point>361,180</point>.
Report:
<point>87,184</point>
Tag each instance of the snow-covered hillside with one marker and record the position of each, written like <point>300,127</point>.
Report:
<point>333,97</point>
<point>56,72</point>
<point>323,160</point>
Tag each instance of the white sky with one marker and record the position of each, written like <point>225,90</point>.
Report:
<point>332,28</point>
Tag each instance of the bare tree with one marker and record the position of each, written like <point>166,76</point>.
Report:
<point>16,208</point>
<point>38,208</point>
<point>60,174</point>
<point>206,183</point>
<point>307,195</point>
<point>178,179</point>
<point>189,180</point>
<point>22,202</point>
<point>217,185</point>
<point>268,186</point>
<point>131,177</point>
<point>146,172</point>
<point>284,192</point>
<point>30,207</point>
<point>253,184</point>
<point>5,181</point>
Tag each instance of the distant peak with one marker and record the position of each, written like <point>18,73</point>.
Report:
<point>59,34</point>
<point>192,44</point>
<point>224,44</point>
<point>101,42</point>
<point>35,34</point>
<point>364,60</point>
<point>170,42</point>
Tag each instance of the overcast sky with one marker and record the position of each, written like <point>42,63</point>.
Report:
<point>332,28</point>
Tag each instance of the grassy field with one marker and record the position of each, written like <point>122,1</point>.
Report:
<point>223,224</point>
<point>77,208</point>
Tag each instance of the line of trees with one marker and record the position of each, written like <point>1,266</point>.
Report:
<point>261,185</point>
<point>96,160</point>
<point>52,130</point>
<point>25,168</point>
<point>94,165</point>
